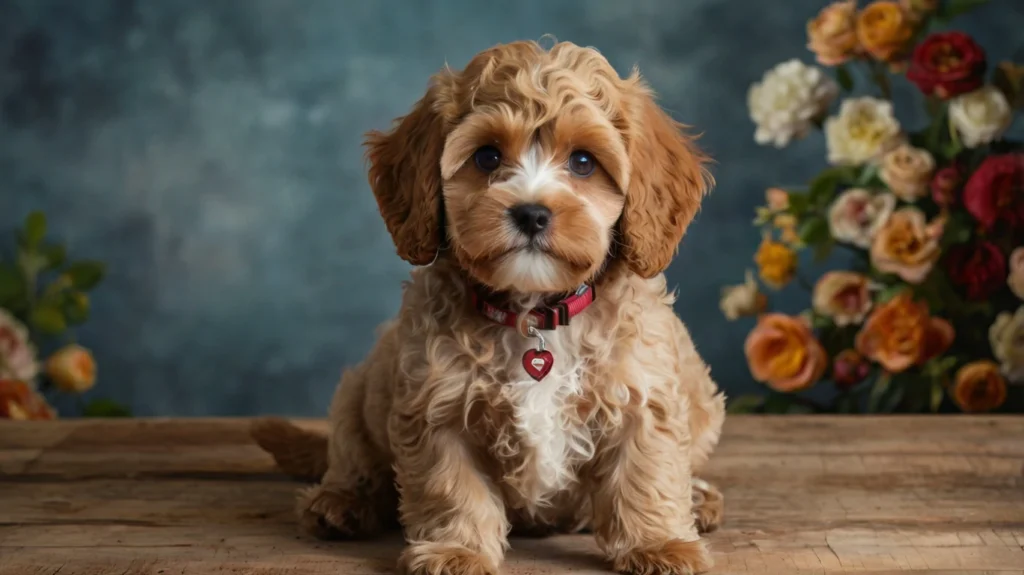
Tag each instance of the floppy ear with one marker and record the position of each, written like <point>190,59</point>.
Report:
<point>405,174</point>
<point>667,182</point>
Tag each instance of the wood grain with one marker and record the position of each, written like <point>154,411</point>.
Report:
<point>803,495</point>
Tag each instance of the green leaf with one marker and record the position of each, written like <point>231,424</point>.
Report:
<point>798,203</point>
<point>49,320</point>
<point>819,321</point>
<point>745,404</point>
<point>844,78</point>
<point>814,230</point>
<point>35,230</point>
<point>953,8</point>
<point>777,403</point>
<point>878,391</point>
<point>76,307</point>
<point>867,175</point>
<point>86,274</point>
<point>823,187</point>
<point>12,285</point>
<point>105,408</point>
<point>55,255</point>
<point>937,393</point>
<point>890,292</point>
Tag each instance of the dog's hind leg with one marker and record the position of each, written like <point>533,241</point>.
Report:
<point>708,505</point>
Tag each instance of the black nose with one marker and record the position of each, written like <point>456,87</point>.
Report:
<point>531,219</point>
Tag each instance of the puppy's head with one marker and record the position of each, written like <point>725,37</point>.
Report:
<point>535,167</point>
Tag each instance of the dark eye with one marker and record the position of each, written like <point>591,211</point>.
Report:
<point>487,158</point>
<point>582,163</point>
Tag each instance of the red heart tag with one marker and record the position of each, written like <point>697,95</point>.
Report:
<point>538,363</point>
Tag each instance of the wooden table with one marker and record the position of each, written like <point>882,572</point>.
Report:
<point>815,494</point>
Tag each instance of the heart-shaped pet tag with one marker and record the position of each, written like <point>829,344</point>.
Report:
<point>538,363</point>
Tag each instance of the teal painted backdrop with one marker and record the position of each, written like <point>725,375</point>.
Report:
<point>209,151</point>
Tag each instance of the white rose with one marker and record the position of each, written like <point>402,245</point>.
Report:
<point>980,116</point>
<point>1006,337</point>
<point>856,216</point>
<point>865,129</point>
<point>17,355</point>
<point>787,100</point>
<point>742,300</point>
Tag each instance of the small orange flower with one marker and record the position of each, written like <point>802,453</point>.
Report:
<point>72,368</point>
<point>783,353</point>
<point>19,401</point>
<point>884,29</point>
<point>776,263</point>
<point>832,34</point>
<point>979,386</point>
<point>900,333</point>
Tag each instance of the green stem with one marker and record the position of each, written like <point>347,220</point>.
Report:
<point>881,78</point>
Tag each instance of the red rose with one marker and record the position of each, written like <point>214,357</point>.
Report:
<point>944,184</point>
<point>947,64</point>
<point>849,369</point>
<point>995,191</point>
<point>979,269</point>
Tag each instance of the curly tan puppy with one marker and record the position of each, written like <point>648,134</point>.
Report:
<point>536,377</point>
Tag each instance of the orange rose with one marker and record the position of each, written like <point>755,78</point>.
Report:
<point>72,368</point>
<point>18,401</point>
<point>907,245</point>
<point>842,296</point>
<point>783,353</point>
<point>884,29</point>
<point>900,333</point>
<point>832,34</point>
<point>979,386</point>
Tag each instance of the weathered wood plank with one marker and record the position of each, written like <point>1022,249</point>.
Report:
<point>866,495</point>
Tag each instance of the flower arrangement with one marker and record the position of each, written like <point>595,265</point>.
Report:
<point>927,312</point>
<point>41,296</point>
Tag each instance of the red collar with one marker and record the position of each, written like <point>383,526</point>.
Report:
<point>546,317</point>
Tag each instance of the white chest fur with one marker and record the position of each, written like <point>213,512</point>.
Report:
<point>544,420</point>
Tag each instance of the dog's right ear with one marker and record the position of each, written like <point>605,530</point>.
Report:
<point>405,173</point>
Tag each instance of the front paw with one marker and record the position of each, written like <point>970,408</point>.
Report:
<point>708,506</point>
<point>675,557</point>
<point>444,559</point>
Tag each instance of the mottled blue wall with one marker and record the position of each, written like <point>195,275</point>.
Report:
<point>209,150</point>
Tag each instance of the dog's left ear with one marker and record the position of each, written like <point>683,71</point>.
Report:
<point>667,181</point>
<point>405,173</point>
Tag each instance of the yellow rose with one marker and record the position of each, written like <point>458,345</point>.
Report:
<point>884,29</point>
<point>832,34</point>
<point>1006,337</point>
<point>907,245</point>
<point>776,263</point>
<point>907,171</point>
<point>72,369</point>
<point>979,387</point>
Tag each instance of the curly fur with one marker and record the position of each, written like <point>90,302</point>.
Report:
<point>440,427</point>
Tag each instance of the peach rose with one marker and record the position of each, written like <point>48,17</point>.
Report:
<point>1015,279</point>
<point>907,171</point>
<point>884,30</point>
<point>842,296</point>
<point>907,245</point>
<point>919,8</point>
<point>776,263</point>
<point>17,354</point>
<point>20,402</point>
<point>900,334</point>
<point>783,353</point>
<point>832,34</point>
<point>856,216</point>
<point>979,386</point>
<point>72,369</point>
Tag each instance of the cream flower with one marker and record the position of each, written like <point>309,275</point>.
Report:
<point>787,100</point>
<point>1016,277</point>
<point>864,130</point>
<point>857,214</point>
<point>980,116</point>
<point>72,368</point>
<point>742,300</point>
<point>1006,336</point>
<point>17,354</point>
<point>843,296</point>
<point>907,171</point>
<point>907,245</point>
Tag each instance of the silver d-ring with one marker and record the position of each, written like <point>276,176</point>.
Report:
<point>534,332</point>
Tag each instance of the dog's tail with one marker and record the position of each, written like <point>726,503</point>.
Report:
<point>300,453</point>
